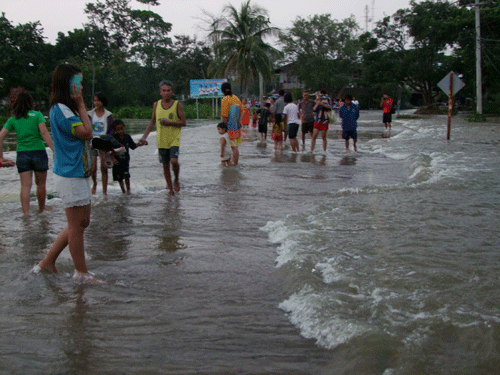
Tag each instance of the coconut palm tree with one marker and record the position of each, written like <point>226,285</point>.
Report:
<point>239,46</point>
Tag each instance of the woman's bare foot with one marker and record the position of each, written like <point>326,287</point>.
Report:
<point>86,278</point>
<point>177,186</point>
<point>47,267</point>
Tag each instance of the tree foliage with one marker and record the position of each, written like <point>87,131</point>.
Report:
<point>124,52</point>
<point>238,43</point>
<point>325,52</point>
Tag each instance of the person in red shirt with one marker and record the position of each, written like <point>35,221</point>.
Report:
<point>386,103</point>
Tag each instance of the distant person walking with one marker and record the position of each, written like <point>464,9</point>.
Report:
<point>277,109</point>
<point>31,131</point>
<point>291,114</point>
<point>349,113</point>
<point>102,123</point>
<point>231,116</point>
<point>265,114</point>
<point>386,103</point>
<point>322,109</point>
<point>169,118</point>
<point>306,114</point>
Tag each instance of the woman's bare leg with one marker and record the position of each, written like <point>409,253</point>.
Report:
<point>26,181</point>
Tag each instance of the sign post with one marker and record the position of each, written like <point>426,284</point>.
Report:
<point>450,84</point>
<point>450,106</point>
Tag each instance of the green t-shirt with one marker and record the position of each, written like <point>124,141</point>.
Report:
<point>27,130</point>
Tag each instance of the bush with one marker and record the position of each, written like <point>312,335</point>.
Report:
<point>204,111</point>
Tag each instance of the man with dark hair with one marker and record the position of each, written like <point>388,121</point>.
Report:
<point>279,106</point>
<point>349,113</point>
<point>306,114</point>
<point>386,103</point>
<point>169,118</point>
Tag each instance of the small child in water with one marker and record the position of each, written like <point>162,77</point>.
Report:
<point>121,169</point>
<point>225,147</point>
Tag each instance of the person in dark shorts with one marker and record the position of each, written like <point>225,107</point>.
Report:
<point>265,114</point>
<point>31,131</point>
<point>386,103</point>
<point>306,114</point>
<point>291,113</point>
<point>349,113</point>
<point>121,170</point>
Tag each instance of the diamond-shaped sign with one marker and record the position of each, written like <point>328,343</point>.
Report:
<point>444,84</point>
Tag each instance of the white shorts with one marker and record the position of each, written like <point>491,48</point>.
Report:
<point>73,191</point>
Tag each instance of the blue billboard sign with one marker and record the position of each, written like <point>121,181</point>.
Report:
<point>206,88</point>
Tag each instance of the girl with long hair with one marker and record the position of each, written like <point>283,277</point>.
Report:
<point>31,131</point>
<point>71,131</point>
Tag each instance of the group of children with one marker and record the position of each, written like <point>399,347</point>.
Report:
<point>287,124</point>
<point>103,124</point>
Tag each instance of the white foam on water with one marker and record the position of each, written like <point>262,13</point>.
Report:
<point>305,310</point>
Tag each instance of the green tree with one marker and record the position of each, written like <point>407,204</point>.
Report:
<point>111,18</point>
<point>490,48</point>
<point>413,47</point>
<point>324,52</point>
<point>238,42</point>
<point>25,59</point>
<point>187,59</point>
<point>148,40</point>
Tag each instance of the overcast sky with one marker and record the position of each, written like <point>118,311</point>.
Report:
<point>66,15</point>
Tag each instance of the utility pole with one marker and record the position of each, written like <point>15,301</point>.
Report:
<point>479,84</point>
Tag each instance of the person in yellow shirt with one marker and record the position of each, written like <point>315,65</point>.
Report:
<point>169,118</point>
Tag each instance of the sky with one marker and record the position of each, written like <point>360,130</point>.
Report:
<point>184,15</point>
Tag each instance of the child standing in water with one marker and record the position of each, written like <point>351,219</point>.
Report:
<point>121,170</point>
<point>278,130</point>
<point>225,147</point>
<point>102,121</point>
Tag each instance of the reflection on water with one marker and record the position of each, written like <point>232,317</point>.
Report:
<point>78,346</point>
<point>348,160</point>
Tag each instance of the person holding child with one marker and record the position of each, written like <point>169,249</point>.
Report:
<point>121,169</point>
<point>71,132</point>
<point>231,113</point>
<point>322,108</point>
<point>31,131</point>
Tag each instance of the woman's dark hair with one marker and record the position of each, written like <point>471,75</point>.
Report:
<point>102,98</point>
<point>288,98</point>
<point>22,105</point>
<point>226,89</point>
<point>60,85</point>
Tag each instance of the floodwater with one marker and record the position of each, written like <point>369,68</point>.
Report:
<point>385,261</point>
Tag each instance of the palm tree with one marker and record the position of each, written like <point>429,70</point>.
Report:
<point>238,43</point>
